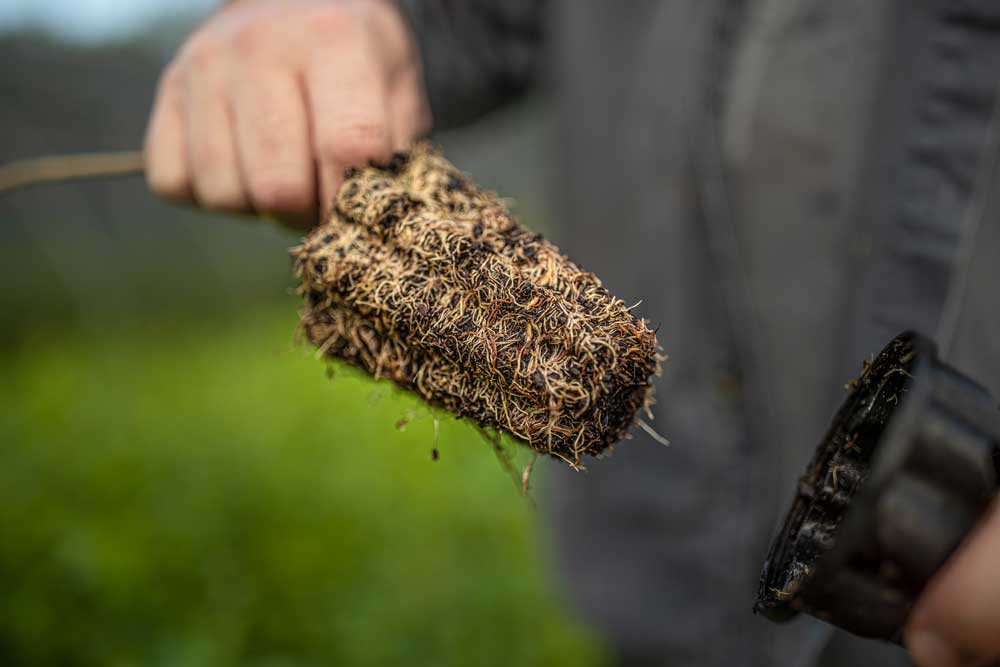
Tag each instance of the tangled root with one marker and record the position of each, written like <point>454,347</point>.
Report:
<point>421,277</point>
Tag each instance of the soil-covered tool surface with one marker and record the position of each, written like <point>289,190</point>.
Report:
<point>421,277</point>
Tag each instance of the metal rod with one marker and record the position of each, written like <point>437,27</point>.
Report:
<point>59,168</point>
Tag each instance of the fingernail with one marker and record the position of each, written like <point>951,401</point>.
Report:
<point>929,650</point>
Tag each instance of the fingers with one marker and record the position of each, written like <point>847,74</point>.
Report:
<point>409,109</point>
<point>272,137</point>
<point>269,103</point>
<point>164,152</point>
<point>213,160</point>
<point>409,115</point>
<point>348,104</point>
<point>957,620</point>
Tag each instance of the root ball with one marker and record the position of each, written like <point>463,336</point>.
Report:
<point>421,277</point>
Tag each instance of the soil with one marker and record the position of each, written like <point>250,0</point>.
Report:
<point>421,277</point>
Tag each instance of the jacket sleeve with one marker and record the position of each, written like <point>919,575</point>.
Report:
<point>477,54</point>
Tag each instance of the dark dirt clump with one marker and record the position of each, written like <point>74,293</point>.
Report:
<point>421,277</point>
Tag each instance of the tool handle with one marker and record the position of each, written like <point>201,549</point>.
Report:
<point>60,168</point>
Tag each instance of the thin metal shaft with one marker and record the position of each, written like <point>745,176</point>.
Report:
<point>57,168</point>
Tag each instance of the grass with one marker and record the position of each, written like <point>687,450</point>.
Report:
<point>176,494</point>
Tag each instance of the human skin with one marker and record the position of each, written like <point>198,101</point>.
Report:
<point>957,620</point>
<point>269,101</point>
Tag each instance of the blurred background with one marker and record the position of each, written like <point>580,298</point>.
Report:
<point>180,482</point>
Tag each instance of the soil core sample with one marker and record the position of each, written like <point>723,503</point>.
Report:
<point>421,277</point>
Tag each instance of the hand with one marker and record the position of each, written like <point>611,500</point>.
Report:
<point>957,620</point>
<point>269,101</point>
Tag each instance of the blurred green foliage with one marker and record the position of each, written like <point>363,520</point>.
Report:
<point>201,494</point>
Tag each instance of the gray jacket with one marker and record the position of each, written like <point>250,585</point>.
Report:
<point>786,184</point>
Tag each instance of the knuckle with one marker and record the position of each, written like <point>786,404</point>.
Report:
<point>200,53</point>
<point>274,194</point>
<point>384,18</point>
<point>170,79</point>
<point>253,37</point>
<point>332,19</point>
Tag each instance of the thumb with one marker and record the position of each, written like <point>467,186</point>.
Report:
<point>957,620</point>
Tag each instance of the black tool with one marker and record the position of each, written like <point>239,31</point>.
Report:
<point>909,464</point>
